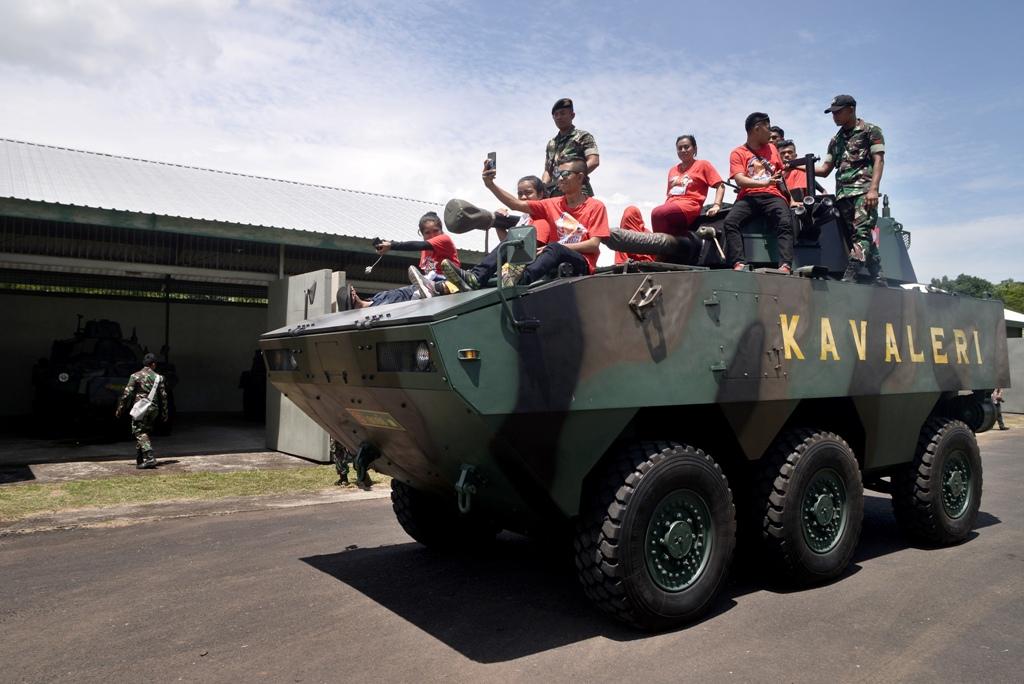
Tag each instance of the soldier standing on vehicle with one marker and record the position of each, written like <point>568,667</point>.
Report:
<point>140,388</point>
<point>857,152</point>
<point>570,143</point>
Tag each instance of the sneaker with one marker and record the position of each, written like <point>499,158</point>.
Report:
<point>445,287</point>
<point>511,274</point>
<point>785,269</point>
<point>740,266</point>
<point>463,280</point>
<point>426,287</point>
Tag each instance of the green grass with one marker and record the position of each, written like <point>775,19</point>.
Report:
<point>23,500</point>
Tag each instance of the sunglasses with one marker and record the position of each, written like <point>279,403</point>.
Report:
<point>562,175</point>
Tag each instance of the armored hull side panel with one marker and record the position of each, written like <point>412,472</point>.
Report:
<point>534,411</point>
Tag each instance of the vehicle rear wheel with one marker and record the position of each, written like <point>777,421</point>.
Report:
<point>936,497</point>
<point>810,502</point>
<point>656,535</point>
<point>436,522</point>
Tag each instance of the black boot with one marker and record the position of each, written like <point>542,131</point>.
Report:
<point>148,461</point>
<point>853,267</point>
<point>138,458</point>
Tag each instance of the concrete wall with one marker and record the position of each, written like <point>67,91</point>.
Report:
<point>210,344</point>
<point>1014,396</point>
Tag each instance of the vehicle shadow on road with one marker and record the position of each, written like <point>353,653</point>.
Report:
<point>510,601</point>
<point>516,598</point>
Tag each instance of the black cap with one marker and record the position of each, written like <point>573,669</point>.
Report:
<point>840,101</point>
<point>564,103</point>
<point>148,359</point>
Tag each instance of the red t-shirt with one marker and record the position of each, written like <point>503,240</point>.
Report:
<point>443,248</point>
<point>545,232</point>
<point>742,160</point>
<point>691,186</point>
<point>796,180</point>
<point>632,219</point>
<point>573,225</point>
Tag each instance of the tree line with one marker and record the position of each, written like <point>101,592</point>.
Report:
<point>1009,291</point>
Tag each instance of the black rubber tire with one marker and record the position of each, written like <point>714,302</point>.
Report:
<point>786,472</point>
<point>917,489</point>
<point>611,531</point>
<point>436,522</point>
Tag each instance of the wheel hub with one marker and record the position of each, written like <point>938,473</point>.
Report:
<point>679,537</point>
<point>823,511</point>
<point>956,485</point>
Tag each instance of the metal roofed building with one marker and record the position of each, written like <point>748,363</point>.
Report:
<point>183,255</point>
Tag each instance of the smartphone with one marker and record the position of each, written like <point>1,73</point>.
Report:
<point>492,161</point>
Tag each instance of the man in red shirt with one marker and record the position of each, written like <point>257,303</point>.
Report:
<point>757,168</point>
<point>796,179</point>
<point>579,222</point>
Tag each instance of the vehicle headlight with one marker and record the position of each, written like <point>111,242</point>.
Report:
<point>407,356</point>
<point>281,359</point>
<point>422,356</point>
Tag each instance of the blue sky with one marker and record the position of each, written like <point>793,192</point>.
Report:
<point>407,98</point>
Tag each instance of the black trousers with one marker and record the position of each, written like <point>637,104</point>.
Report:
<point>549,260</point>
<point>776,214</point>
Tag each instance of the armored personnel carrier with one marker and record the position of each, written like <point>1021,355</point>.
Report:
<point>79,384</point>
<point>662,414</point>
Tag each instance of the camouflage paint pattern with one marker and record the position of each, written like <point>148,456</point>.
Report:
<point>723,360</point>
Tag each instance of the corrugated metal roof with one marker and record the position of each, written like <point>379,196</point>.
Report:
<point>42,173</point>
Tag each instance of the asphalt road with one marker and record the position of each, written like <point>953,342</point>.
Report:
<point>337,592</point>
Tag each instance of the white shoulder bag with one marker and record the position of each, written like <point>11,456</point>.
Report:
<point>142,405</point>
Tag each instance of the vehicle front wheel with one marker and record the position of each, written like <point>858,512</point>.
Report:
<point>436,522</point>
<point>656,536</point>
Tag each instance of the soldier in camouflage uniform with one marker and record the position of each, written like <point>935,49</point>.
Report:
<point>139,386</point>
<point>570,143</point>
<point>857,152</point>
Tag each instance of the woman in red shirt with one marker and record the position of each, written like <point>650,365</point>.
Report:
<point>688,183</point>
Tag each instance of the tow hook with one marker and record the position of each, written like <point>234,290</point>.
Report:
<point>465,488</point>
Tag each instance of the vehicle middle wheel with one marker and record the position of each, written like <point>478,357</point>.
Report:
<point>810,501</point>
<point>656,538</point>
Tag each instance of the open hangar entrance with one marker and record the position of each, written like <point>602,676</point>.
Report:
<point>183,262</point>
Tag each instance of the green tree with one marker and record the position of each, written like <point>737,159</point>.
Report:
<point>1012,294</point>
<point>966,285</point>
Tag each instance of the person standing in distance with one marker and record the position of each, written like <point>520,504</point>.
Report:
<point>140,384</point>
<point>570,143</point>
<point>857,152</point>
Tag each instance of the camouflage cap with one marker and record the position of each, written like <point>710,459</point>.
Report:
<point>461,217</point>
<point>840,101</point>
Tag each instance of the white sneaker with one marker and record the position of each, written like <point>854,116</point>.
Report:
<point>425,287</point>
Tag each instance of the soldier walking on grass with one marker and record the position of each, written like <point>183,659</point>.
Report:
<point>140,387</point>
<point>857,152</point>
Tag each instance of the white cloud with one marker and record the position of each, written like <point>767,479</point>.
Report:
<point>405,98</point>
<point>988,247</point>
